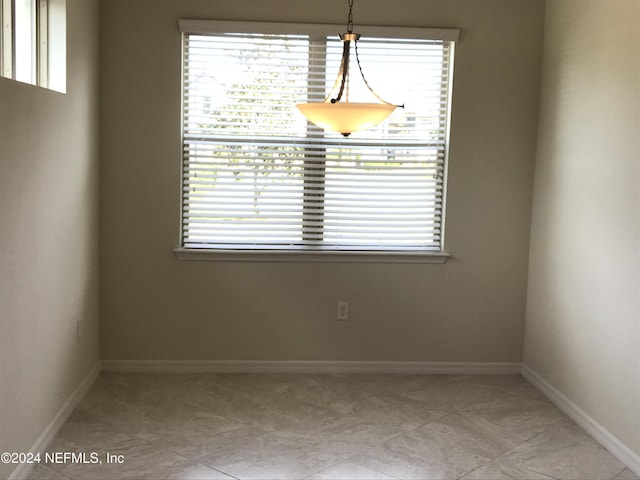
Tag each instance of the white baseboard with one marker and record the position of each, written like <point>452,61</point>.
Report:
<point>23,470</point>
<point>597,431</point>
<point>310,367</point>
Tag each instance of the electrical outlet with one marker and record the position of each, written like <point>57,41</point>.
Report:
<point>342,312</point>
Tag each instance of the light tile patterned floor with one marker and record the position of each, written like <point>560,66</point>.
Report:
<point>325,427</point>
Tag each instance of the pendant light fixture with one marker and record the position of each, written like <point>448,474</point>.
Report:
<point>345,116</point>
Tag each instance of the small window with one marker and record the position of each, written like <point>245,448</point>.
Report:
<point>258,176</point>
<point>33,42</point>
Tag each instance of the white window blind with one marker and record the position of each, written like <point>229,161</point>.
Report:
<point>257,175</point>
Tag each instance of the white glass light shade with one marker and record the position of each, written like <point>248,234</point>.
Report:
<point>346,117</point>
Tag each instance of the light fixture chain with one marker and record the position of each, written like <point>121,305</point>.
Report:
<point>350,19</point>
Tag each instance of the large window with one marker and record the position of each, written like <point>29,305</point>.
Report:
<point>33,42</point>
<point>258,176</point>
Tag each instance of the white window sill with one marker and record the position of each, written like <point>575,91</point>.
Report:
<point>195,254</point>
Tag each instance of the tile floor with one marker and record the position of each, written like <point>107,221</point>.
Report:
<point>325,427</point>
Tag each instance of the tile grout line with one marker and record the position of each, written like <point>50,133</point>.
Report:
<point>388,439</point>
<point>513,448</point>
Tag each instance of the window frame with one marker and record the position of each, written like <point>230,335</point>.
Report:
<point>188,26</point>
<point>47,29</point>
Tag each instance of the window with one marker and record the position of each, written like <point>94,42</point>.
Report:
<point>33,42</point>
<point>257,176</point>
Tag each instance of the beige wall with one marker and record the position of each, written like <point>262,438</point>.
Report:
<point>48,239</point>
<point>470,309</point>
<point>583,313</point>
